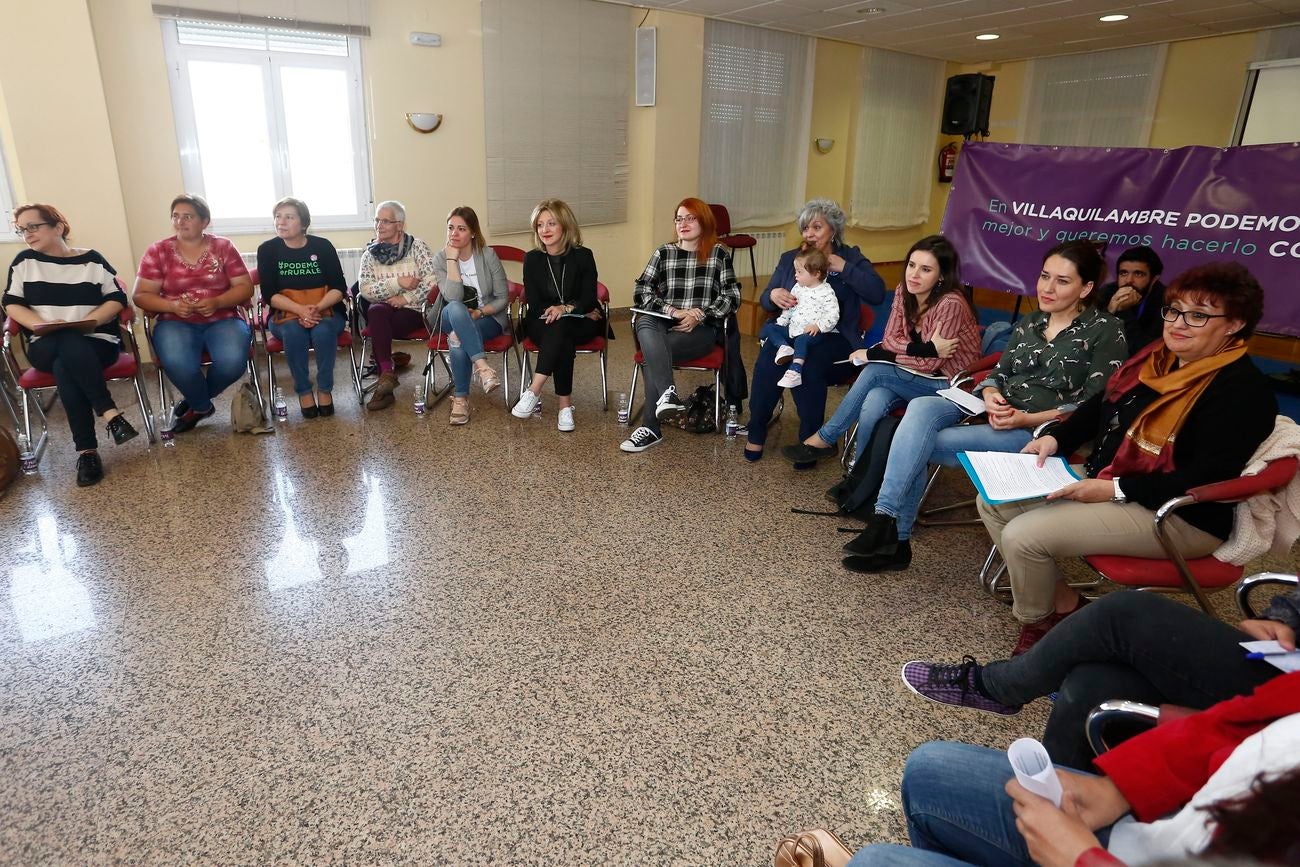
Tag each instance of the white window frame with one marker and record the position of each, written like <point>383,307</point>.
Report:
<point>187,131</point>
<point>7,200</point>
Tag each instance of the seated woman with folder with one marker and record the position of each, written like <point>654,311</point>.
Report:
<point>1056,358</point>
<point>1187,411</point>
<point>931,335</point>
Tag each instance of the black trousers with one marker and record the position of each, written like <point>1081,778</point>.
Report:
<point>556,347</point>
<point>78,362</point>
<point>1127,645</point>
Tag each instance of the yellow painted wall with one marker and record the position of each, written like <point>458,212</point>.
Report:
<point>1201,90</point>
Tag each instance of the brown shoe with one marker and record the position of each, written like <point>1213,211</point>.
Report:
<point>382,398</point>
<point>1032,633</point>
<point>401,360</point>
<point>459,410</point>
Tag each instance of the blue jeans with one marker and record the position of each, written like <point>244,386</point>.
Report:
<point>323,338</point>
<point>928,435</point>
<point>180,346</point>
<point>779,335</point>
<point>956,810</point>
<point>471,333</point>
<point>809,399</point>
<point>879,388</point>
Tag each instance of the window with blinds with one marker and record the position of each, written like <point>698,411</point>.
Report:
<point>1099,99</point>
<point>556,83</point>
<point>754,129</point>
<point>6,189</point>
<point>267,112</point>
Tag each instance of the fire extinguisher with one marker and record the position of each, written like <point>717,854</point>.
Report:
<point>947,162</point>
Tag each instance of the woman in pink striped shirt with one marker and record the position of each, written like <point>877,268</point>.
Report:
<point>931,335</point>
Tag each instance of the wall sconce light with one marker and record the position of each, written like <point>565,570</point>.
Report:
<point>824,145</point>
<point>423,121</point>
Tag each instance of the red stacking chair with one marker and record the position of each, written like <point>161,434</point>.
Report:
<point>420,334</point>
<point>594,346</point>
<point>711,362</point>
<point>734,242</point>
<point>440,348</point>
<point>272,344</point>
<point>1261,579</point>
<point>1176,574</point>
<point>27,380</point>
<point>246,313</point>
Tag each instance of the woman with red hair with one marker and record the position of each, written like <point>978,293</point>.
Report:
<point>689,289</point>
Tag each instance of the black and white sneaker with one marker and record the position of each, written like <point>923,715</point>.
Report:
<point>669,405</point>
<point>641,439</point>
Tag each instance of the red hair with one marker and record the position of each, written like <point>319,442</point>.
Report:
<point>708,228</point>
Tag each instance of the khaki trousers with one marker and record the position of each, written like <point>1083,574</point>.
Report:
<point>1033,534</point>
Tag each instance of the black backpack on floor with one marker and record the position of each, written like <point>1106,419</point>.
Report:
<point>855,494</point>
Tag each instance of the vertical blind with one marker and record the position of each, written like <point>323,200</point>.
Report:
<point>898,119</point>
<point>1098,99</point>
<point>754,128</point>
<point>556,79</point>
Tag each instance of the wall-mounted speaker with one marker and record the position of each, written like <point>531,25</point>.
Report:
<point>645,65</point>
<point>966,104</point>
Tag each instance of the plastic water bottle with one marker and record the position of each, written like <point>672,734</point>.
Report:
<point>733,421</point>
<point>26,457</point>
<point>168,439</point>
<point>281,408</point>
<point>419,400</point>
<point>624,411</point>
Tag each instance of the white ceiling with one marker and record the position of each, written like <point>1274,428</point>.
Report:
<point>1028,28</point>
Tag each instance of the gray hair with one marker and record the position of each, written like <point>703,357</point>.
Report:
<point>397,208</point>
<point>828,211</point>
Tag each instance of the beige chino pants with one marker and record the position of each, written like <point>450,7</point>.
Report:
<point>1033,534</point>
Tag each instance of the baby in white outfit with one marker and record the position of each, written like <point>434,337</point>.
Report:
<point>799,327</point>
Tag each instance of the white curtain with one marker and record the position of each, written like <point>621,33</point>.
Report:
<point>1099,99</point>
<point>556,78</point>
<point>754,128</point>
<point>893,155</point>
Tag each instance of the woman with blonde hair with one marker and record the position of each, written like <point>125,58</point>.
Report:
<point>560,288</point>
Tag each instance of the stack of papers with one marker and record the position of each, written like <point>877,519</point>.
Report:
<point>1003,477</point>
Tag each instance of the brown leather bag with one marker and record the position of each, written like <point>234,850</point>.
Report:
<point>299,296</point>
<point>8,458</point>
<point>815,848</point>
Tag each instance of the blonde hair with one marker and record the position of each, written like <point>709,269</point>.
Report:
<point>563,215</point>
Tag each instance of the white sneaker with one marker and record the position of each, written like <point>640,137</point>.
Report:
<point>783,353</point>
<point>565,420</point>
<point>527,403</point>
<point>792,379</point>
<point>641,439</point>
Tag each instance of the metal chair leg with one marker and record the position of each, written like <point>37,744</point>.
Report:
<point>604,383</point>
<point>753,269</point>
<point>631,392</point>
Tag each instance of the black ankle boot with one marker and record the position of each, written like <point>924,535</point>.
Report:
<point>89,469</point>
<point>895,561</point>
<point>880,536</point>
<point>120,430</point>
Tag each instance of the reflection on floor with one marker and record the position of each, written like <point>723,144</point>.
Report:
<point>377,638</point>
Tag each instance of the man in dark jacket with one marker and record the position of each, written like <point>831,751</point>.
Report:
<point>1136,296</point>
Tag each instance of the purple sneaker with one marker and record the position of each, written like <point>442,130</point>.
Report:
<point>952,684</point>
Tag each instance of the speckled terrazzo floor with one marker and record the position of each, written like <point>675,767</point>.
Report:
<point>377,639</point>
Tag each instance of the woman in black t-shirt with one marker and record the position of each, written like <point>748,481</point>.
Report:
<point>563,312</point>
<point>303,284</point>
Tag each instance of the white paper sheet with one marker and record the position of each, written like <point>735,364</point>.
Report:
<point>964,399</point>
<point>1034,769</point>
<point>1287,662</point>
<point>1005,476</point>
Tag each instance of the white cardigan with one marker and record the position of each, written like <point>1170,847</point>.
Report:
<point>1267,522</point>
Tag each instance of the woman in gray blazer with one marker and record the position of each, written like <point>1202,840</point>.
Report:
<point>473,305</point>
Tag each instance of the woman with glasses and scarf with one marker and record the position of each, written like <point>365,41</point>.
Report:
<point>396,278</point>
<point>1186,411</point>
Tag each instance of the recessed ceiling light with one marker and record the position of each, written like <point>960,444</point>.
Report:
<point>987,37</point>
<point>870,10</point>
<point>1111,18</point>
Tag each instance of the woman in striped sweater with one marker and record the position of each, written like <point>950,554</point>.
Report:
<point>931,335</point>
<point>52,284</point>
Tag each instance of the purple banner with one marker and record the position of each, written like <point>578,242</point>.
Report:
<point>1011,203</point>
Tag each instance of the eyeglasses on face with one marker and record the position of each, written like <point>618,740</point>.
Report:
<point>1194,318</point>
<point>686,220</point>
<point>380,221</point>
<point>30,227</point>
